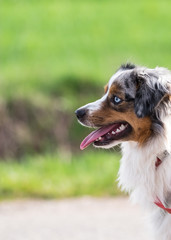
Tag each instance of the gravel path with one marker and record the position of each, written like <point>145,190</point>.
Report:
<point>72,219</point>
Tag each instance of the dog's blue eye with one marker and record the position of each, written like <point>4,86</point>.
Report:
<point>117,100</point>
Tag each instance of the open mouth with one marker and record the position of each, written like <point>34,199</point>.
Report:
<point>107,134</point>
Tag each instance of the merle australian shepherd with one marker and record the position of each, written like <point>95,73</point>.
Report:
<point>135,112</point>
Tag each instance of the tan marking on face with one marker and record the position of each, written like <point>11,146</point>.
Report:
<point>141,127</point>
<point>115,89</point>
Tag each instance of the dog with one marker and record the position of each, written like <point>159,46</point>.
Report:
<point>135,111</point>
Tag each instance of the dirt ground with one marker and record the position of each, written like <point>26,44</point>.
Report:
<point>72,219</point>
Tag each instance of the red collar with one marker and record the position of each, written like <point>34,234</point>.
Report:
<point>158,202</point>
<point>158,162</point>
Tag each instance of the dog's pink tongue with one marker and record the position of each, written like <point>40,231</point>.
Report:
<point>94,135</point>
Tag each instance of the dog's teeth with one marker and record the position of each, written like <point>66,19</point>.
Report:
<point>122,127</point>
<point>98,138</point>
<point>117,130</point>
<point>113,132</point>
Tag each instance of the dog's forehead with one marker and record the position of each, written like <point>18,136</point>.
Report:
<point>122,82</point>
<point>122,79</point>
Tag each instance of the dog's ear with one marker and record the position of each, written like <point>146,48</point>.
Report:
<point>149,93</point>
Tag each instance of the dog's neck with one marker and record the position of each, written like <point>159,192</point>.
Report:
<point>138,174</point>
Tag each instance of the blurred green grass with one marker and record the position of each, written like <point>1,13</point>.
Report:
<point>48,177</point>
<point>54,48</point>
<point>42,41</point>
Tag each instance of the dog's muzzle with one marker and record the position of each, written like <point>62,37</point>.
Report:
<point>80,113</point>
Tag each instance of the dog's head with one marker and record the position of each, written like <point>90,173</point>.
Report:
<point>131,108</point>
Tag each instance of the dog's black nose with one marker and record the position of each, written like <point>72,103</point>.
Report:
<point>80,113</point>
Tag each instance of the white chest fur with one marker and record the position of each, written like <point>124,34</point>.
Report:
<point>139,176</point>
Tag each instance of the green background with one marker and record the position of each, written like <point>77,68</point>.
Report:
<point>62,53</point>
